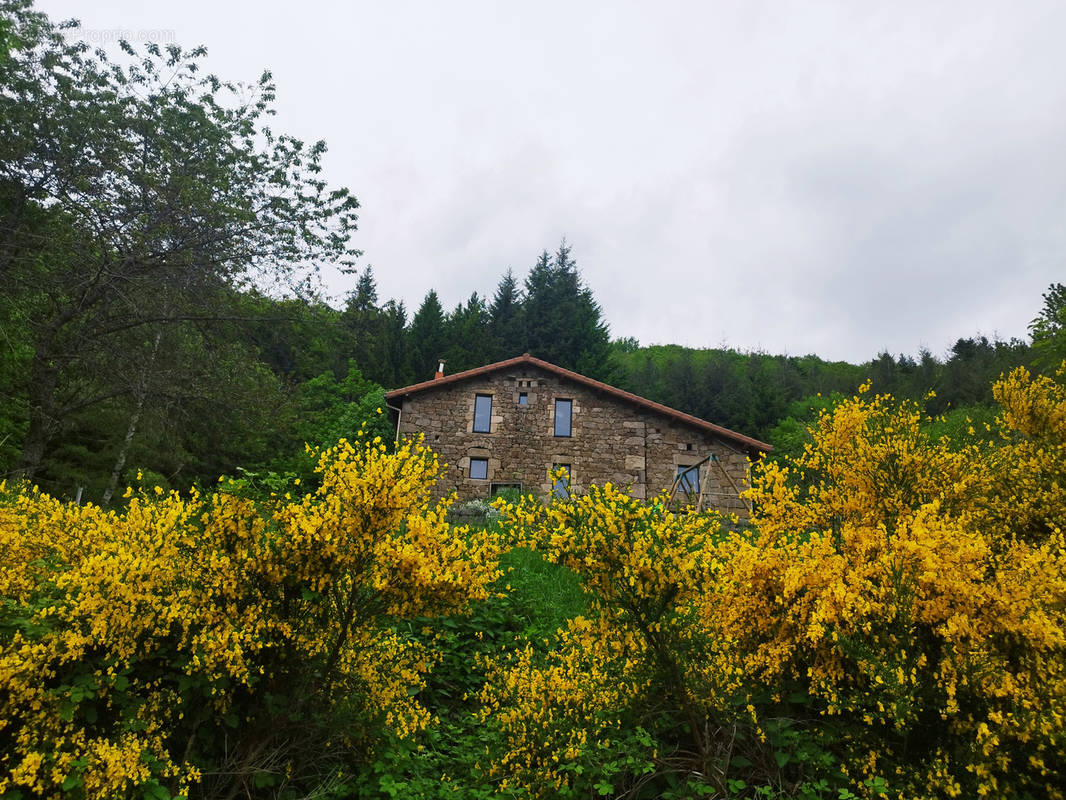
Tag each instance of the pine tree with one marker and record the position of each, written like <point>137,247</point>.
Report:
<point>467,332</point>
<point>428,337</point>
<point>365,296</point>
<point>505,319</point>
<point>562,320</point>
<point>363,324</point>
<point>396,341</point>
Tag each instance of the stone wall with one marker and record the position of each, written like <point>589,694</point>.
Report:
<point>611,440</point>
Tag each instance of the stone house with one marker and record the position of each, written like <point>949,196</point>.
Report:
<point>516,422</point>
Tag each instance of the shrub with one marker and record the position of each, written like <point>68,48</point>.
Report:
<point>894,621</point>
<point>187,645</point>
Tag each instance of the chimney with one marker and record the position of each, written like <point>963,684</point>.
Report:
<point>440,369</point>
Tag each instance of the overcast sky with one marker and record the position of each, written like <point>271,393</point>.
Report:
<point>829,178</point>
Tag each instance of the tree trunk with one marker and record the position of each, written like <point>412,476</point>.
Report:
<point>141,394</point>
<point>120,462</point>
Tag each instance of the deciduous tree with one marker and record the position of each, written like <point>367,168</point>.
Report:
<point>132,196</point>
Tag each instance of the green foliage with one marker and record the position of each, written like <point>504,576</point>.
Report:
<point>964,426</point>
<point>542,594</point>
<point>451,759</point>
<point>562,321</point>
<point>967,375</point>
<point>1049,328</point>
<point>363,332</point>
<point>428,337</point>
<point>467,333</point>
<point>752,392</point>
<point>136,196</point>
<point>296,338</point>
<point>330,409</point>
<point>793,432</point>
<point>505,318</point>
<point>747,392</point>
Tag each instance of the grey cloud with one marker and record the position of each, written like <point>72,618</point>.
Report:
<point>833,178</point>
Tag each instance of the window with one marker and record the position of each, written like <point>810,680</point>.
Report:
<point>482,413</point>
<point>498,488</point>
<point>561,481</point>
<point>690,480</point>
<point>523,399</point>
<point>479,469</point>
<point>563,411</point>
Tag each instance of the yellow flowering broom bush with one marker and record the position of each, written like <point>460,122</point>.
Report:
<point>893,621</point>
<point>556,713</point>
<point>893,583</point>
<point>203,646</point>
<point>637,657</point>
<point>1028,496</point>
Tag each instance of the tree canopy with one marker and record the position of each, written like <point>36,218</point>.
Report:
<point>135,197</point>
<point>1049,327</point>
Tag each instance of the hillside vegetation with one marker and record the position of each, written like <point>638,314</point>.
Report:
<point>892,623</point>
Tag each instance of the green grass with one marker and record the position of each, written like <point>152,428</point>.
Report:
<point>543,594</point>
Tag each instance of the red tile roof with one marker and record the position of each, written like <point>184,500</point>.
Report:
<point>637,400</point>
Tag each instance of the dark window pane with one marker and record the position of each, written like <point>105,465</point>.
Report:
<point>479,468</point>
<point>563,409</point>
<point>498,488</point>
<point>482,413</point>
<point>690,480</point>
<point>561,475</point>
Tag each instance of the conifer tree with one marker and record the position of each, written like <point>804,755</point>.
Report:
<point>428,337</point>
<point>365,295</point>
<point>505,319</point>
<point>467,331</point>
<point>396,342</point>
<point>562,319</point>
<point>363,324</point>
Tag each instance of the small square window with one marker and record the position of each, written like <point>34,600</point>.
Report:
<point>689,482</point>
<point>479,469</point>
<point>563,411</point>
<point>523,399</point>
<point>482,413</point>
<point>561,481</point>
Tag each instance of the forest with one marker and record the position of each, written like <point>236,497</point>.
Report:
<point>222,577</point>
